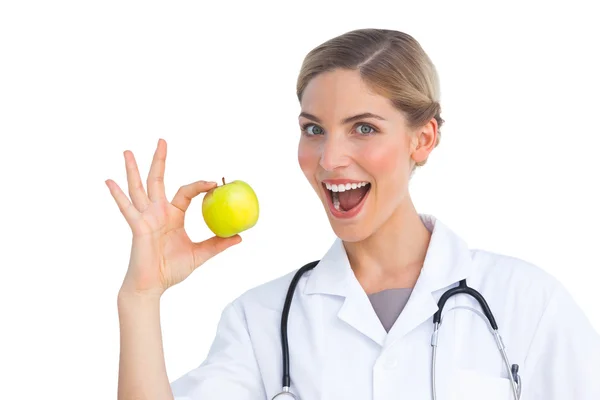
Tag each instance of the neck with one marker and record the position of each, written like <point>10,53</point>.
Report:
<point>393,256</point>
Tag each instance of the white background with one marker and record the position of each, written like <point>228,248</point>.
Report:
<point>82,81</point>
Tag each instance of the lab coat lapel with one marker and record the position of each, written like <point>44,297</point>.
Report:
<point>447,261</point>
<point>358,312</point>
<point>334,276</point>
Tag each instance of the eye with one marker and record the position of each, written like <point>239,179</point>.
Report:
<point>364,129</point>
<point>316,130</point>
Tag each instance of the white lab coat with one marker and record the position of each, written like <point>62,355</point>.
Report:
<point>339,349</point>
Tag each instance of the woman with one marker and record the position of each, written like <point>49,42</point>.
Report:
<point>360,322</point>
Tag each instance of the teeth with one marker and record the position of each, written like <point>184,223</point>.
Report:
<point>343,187</point>
<point>336,201</point>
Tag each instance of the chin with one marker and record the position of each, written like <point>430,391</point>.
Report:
<point>350,234</point>
<point>356,231</point>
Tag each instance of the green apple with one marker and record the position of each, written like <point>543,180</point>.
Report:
<point>230,208</point>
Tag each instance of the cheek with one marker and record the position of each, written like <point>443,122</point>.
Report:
<point>383,162</point>
<point>307,159</point>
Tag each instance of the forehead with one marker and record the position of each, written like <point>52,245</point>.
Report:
<point>337,94</point>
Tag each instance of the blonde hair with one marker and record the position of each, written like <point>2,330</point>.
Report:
<point>392,63</point>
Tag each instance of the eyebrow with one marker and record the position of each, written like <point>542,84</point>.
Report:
<point>345,120</point>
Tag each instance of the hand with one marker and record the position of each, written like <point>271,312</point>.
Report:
<point>162,254</point>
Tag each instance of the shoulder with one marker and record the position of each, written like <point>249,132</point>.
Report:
<point>524,290</point>
<point>512,273</point>
<point>519,290</point>
<point>530,299</point>
<point>268,296</point>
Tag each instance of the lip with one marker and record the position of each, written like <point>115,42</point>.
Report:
<point>343,214</point>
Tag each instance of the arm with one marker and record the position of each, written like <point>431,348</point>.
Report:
<point>564,359</point>
<point>162,255</point>
<point>230,370</point>
<point>142,371</point>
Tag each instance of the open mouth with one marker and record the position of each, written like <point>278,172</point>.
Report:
<point>346,199</point>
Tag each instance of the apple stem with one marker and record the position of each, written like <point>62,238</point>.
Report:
<point>223,180</point>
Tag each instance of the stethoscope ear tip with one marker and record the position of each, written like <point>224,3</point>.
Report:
<point>515,371</point>
<point>515,374</point>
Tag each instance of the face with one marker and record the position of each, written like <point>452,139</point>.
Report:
<point>357,152</point>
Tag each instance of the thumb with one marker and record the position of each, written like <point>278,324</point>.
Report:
<point>207,249</point>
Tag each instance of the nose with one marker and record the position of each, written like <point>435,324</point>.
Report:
<point>334,153</point>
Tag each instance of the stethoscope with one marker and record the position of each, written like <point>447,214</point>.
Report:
<point>462,288</point>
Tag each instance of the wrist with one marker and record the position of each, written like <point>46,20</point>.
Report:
<point>134,297</point>
<point>131,289</point>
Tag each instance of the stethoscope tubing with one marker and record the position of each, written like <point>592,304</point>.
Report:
<point>512,370</point>
<point>285,350</point>
<point>462,288</point>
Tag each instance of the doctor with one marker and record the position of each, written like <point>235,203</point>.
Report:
<point>360,321</point>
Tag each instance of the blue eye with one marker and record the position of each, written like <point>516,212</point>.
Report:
<point>316,130</point>
<point>361,129</point>
<point>364,129</point>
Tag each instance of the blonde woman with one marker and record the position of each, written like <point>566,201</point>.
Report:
<point>399,307</point>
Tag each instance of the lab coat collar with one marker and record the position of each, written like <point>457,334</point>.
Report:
<point>447,261</point>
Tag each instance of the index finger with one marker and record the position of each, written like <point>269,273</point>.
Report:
<point>186,193</point>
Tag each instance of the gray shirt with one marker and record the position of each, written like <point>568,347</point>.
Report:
<point>388,304</point>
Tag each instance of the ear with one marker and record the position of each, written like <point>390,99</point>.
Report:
<point>424,140</point>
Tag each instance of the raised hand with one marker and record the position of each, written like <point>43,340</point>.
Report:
<point>162,253</point>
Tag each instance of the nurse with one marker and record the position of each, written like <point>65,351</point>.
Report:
<point>360,322</point>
